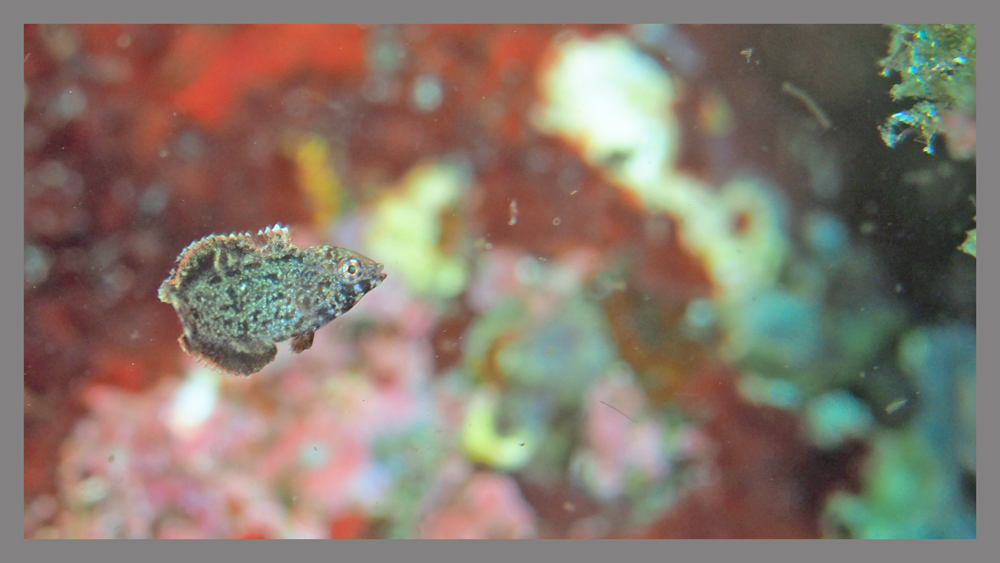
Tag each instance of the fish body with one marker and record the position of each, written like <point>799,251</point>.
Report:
<point>238,295</point>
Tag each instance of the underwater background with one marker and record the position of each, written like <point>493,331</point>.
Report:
<point>643,281</point>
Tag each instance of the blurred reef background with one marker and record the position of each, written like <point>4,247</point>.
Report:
<point>643,281</point>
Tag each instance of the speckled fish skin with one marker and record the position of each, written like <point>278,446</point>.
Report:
<point>237,295</point>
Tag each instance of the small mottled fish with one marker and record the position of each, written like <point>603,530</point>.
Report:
<point>237,295</point>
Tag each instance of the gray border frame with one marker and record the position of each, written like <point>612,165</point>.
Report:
<point>730,11</point>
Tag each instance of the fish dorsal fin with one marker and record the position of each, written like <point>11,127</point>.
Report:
<point>275,237</point>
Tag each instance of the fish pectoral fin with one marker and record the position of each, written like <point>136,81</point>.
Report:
<point>244,356</point>
<point>302,342</point>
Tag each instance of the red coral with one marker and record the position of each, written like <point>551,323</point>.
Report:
<point>257,55</point>
<point>646,325</point>
<point>771,481</point>
<point>348,526</point>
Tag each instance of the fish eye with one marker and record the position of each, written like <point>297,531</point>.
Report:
<point>351,268</point>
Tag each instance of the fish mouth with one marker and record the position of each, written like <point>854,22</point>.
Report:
<point>377,273</point>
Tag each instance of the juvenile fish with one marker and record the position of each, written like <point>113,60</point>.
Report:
<point>237,295</point>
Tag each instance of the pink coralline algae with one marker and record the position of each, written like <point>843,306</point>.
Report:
<point>488,506</point>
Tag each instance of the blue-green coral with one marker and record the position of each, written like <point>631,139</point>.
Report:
<point>937,66</point>
<point>904,497</point>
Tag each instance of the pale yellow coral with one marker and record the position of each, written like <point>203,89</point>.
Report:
<point>483,444</point>
<point>406,231</point>
<point>317,176</point>
<point>614,102</point>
